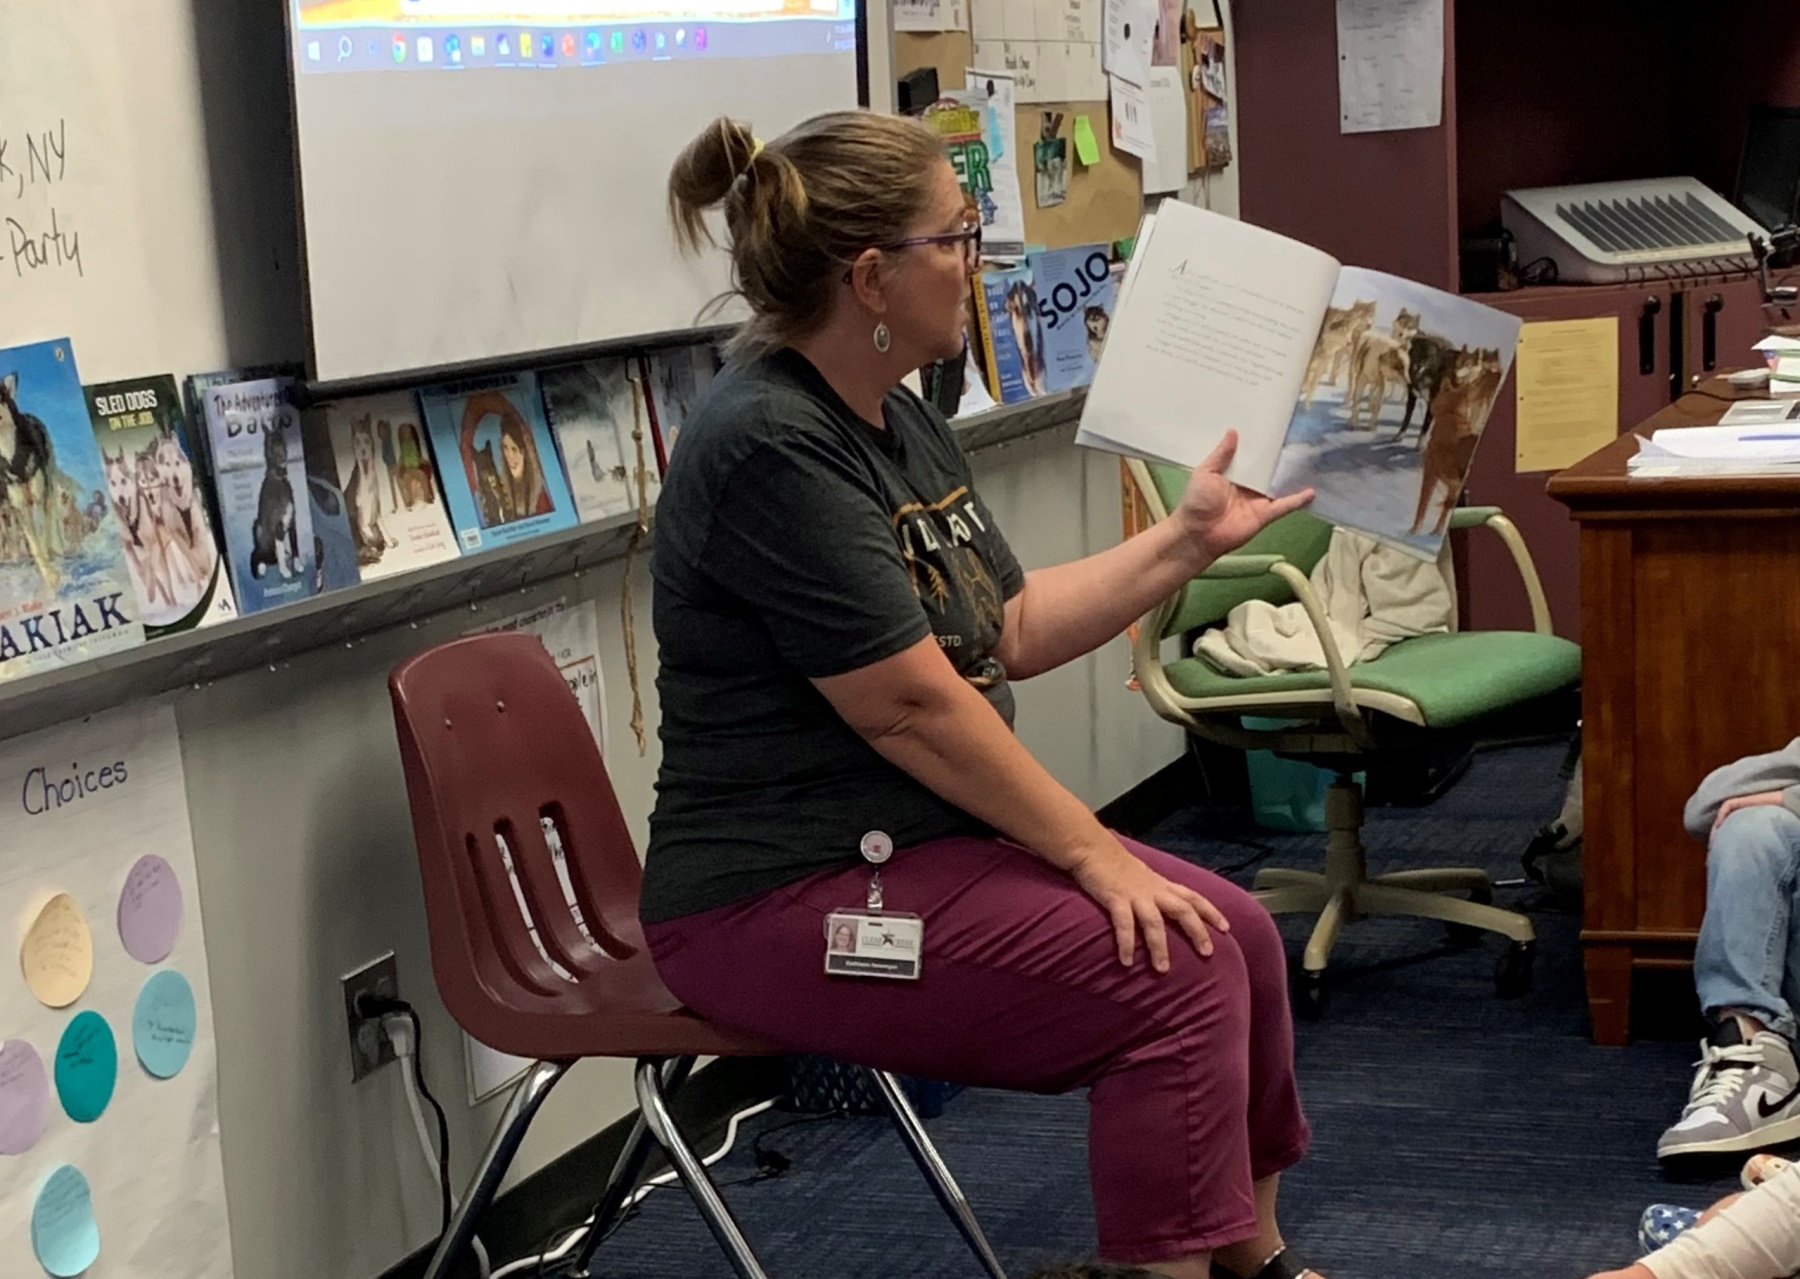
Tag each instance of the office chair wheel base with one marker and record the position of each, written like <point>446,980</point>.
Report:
<point>1467,936</point>
<point>1309,994</point>
<point>1512,975</point>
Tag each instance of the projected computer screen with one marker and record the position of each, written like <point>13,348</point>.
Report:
<point>486,179</point>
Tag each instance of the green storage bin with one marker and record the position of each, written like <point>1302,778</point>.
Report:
<point>1286,794</point>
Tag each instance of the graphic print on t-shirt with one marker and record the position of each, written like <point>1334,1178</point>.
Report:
<point>937,543</point>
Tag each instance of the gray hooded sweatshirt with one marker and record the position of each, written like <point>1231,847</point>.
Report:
<point>1776,771</point>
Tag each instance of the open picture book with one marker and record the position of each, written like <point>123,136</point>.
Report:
<point>1370,389</point>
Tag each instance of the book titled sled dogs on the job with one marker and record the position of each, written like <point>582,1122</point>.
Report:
<point>158,500</point>
<point>65,592</point>
<point>1370,389</point>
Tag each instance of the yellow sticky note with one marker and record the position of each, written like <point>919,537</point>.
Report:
<point>1568,391</point>
<point>1087,148</point>
<point>58,955</point>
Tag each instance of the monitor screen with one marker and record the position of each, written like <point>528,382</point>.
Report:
<point>481,179</point>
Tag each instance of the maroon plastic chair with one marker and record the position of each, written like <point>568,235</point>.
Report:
<point>503,771</point>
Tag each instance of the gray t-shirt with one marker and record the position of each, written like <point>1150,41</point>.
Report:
<point>794,542</point>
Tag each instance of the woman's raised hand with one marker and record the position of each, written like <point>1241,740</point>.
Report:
<point>1219,516</point>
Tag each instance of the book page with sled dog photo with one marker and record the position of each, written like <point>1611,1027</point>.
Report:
<point>1370,389</point>
<point>1392,405</point>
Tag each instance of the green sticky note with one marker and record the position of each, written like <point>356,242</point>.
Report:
<point>1087,150</point>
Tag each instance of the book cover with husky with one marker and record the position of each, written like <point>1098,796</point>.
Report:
<point>259,475</point>
<point>602,428</point>
<point>332,539</point>
<point>677,377</point>
<point>150,460</point>
<point>1012,332</point>
<point>65,591</point>
<point>501,476</point>
<point>1075,295</point>
<point>380,461</point>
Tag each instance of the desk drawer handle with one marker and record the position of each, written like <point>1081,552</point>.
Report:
<point>1647,335</point>
<point>1709,333</point>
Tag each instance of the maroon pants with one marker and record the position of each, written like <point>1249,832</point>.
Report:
<point>1190,1072</point>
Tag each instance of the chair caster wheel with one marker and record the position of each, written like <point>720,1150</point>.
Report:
<point>1309,995</point>
<point>1512,975</point>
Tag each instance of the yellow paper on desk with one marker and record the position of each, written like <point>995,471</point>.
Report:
<point>1567,391</point>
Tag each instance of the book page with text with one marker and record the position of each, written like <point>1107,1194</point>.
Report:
<point>1213,332</point>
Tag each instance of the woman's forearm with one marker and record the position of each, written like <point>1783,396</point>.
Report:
<point>1074,608</point>
<point>926,720</point>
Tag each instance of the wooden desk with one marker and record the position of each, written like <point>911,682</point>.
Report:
<point>1690,626</point>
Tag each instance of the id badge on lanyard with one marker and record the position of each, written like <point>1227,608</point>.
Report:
<point>874,941</point>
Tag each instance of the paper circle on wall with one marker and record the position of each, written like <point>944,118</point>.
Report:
<point>150,910</point>
<point>58,954</point>
<point>162,1028</point>
<point>87,1067</point>
<point>24,1097</point>
<point>64,1234</point>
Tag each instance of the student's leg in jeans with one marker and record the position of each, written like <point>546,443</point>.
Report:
<point>1748,957</point>
<point>1193,1109</point>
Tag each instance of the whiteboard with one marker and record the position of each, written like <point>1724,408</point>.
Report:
<point>120,227</point>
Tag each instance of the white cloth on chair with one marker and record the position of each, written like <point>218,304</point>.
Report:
<point>1373,596</point>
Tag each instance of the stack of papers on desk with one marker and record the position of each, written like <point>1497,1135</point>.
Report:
<point>1752,449</point>
<point>1783,355</point>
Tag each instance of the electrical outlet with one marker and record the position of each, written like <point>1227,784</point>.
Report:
<point>370,1047</point>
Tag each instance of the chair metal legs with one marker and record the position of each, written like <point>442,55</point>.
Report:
<point>949,1194</point>
<point>521,1108</point>
<point>627,1168</point>
<point>692,1172</point>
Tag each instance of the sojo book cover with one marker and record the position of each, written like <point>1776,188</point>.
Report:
<point>65,591</point>
<point>501,475</point>
<point>259,468</point>
<point>154,486</point>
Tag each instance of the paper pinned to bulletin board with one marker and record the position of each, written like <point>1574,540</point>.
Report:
<point>82,807</point>
<point>1568,391</point>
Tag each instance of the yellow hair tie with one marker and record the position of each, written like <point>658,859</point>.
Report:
<point>756,147</point>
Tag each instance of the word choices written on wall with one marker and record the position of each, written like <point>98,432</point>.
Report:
<point>109,1142</point>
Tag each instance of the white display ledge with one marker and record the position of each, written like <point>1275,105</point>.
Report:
<point>246,643</point>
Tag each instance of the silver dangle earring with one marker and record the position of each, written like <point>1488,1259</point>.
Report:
<point>883,338</point>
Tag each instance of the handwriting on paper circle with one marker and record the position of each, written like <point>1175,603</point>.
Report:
<point>64,1234</point>
<point>162,1027</point>
<point>87,1067</point>
<point>150,910</point>
<point>58,954</point>
<point>24,1097</point>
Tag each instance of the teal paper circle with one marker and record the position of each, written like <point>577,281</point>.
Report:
<point>64,1235</point>
<point>87,1067</point>
<point>162,1027</point>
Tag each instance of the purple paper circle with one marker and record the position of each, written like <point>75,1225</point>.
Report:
<point>24,1097</point>
<point>150,910</point>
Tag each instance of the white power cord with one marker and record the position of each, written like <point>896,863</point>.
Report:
<point>578,1233</point>
<point>399,1032</point>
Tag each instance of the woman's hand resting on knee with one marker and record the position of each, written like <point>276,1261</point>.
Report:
<point>1137,899</point>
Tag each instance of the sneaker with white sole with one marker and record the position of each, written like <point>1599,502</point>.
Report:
<point>1745,1096</point>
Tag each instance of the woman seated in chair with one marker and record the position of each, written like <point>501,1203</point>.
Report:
<point>838,618</point>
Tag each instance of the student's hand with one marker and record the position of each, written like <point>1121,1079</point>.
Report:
<point>1732,805</point>
<point>1638,1271</point>
<point>1220,516</point>
<point>1137,898</point>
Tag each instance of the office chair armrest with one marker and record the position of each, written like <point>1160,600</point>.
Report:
<point>1146,650</point>
<point>1238,566</point>
<point>1492,518</point>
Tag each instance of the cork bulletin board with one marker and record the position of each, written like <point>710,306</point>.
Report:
<point>1105,200</point>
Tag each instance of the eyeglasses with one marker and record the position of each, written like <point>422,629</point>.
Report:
<point>969,237</point>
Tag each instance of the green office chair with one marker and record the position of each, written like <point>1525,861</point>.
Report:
<point>1495,683</point>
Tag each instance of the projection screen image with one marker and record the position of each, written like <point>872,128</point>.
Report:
<point>484,179</point>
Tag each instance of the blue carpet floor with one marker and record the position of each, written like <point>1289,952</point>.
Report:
<point>1454,1134</point>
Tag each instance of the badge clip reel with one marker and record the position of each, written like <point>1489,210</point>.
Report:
<point>874,941</point>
